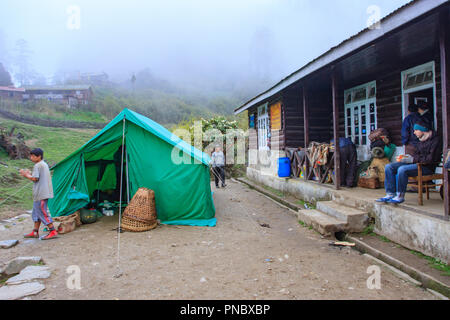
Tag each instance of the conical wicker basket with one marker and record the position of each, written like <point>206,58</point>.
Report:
<point>140,214</point>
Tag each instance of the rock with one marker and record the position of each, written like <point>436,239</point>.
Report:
<point>15,292</point>
<point>203,279</point>
<point>6,244</point>
<point>16,265</point>
<point>30,273</point>
<point>284,291</point>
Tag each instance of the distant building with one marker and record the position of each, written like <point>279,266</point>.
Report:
<point>94,78</point>
<point>70,95</point>
<point>11,93</point>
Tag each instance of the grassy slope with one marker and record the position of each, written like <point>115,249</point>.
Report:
<point>54,112</point>
<point>57,144</point>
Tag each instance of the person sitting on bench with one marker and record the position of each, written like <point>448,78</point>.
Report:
<point>428,153</point>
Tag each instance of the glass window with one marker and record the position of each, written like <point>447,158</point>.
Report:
<point>360,113</point>
<point>418,79</point>
<point>348,99</point>
<point>360,94</point>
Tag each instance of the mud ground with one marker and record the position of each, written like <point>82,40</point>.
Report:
<point>237,259</point>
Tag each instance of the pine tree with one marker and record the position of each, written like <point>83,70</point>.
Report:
<point>5,77</point>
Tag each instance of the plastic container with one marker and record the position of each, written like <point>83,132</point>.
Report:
<point>284,167</point>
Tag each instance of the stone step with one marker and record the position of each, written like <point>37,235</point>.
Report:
<point>355,219</point>
<point>321,222</point>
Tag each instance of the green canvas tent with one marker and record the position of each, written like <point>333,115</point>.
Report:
<point>157,159</point>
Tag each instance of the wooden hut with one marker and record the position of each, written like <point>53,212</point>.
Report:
<point>364,83</point>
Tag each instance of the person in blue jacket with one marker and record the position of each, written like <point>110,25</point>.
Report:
<point>409,139</point>
<point>348,161</point>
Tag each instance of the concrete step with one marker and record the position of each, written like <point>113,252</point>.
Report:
<point>355,219</point>
<point>321,222</point>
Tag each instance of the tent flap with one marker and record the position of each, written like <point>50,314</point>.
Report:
<point>182,190</point>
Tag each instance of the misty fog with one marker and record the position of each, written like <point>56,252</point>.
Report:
<point>201,43</point>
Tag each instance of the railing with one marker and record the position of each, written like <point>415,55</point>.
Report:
<point>314,163</point>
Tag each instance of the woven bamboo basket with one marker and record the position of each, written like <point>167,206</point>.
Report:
<point>140,214</point>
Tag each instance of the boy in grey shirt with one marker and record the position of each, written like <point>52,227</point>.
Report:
<point>42,191</point>
<point>218,164</point>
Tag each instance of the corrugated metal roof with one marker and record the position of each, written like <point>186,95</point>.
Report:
<point>12,89</point>
<point>58,88</point>
<point>423,7</point>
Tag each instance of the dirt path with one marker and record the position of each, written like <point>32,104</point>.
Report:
<point>225,262</point>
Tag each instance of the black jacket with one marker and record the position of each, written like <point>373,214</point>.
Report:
<point>429,152</point>
<point>408,136</point>
<point>428,119</point>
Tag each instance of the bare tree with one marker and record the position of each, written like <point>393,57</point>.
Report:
<point>23,70</point>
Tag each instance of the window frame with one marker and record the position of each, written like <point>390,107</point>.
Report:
<point>357,105</point>
<point>405,92</point>
<point>263,121</point>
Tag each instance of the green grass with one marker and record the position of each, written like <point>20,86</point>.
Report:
<point>275,191</point>
<point>368,231</point>
<point>302,204</point>
<point>50,111</point>
<point>434,263</point>
<point>57,143</point>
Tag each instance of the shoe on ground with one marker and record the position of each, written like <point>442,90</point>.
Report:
<point>224,185</point>
<point>51,235</point>
<point>385,199</point>
<point>396,201</point>
<point>32,235</point>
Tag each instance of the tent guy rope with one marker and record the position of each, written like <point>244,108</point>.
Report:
<point>119,271</point>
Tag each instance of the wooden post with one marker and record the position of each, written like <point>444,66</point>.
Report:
<point>445,118</point>
<point>337,153</point>
<point>305,116</point>
<point>306,129</point>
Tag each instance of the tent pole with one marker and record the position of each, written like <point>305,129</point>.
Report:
<point>128,181</point>
<point>119,272</point>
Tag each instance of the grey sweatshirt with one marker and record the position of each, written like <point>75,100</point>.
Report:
<point>218,159</point>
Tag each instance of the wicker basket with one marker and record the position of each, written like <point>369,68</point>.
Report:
<point>140,214</point>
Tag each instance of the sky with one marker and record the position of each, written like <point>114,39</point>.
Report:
<point>182,40</point>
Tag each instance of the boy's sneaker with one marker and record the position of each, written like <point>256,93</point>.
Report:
<point>385,199</point>
<point>33,234</point>
<point>52,234</point>
<point>396,200</point>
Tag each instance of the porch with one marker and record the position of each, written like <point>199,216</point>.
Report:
<point>420,228</point>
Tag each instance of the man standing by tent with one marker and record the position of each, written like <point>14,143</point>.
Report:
<point>218,165</point>
<point>42,191</point>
